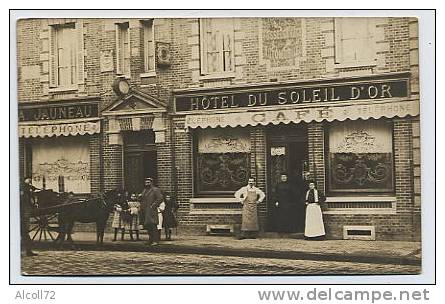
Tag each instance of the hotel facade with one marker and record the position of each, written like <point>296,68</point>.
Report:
<point>203,104</point>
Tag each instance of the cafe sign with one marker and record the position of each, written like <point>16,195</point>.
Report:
<point>307,93</point>
<point>308,114</point>
<point>42,113</point>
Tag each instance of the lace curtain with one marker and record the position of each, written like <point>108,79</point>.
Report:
<point>222,161</point>
<point>360,156</point>
<point>62,164</point>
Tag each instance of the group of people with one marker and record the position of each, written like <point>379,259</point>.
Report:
<point>151,210</point>
<point>286,197</point>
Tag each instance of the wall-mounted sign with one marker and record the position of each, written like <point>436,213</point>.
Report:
<point>317,92</point>
<point>106,61</point>
<point>59,112</point>
<point>163,54</point>
<point>277,151</point>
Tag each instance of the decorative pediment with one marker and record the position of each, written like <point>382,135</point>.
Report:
<point>135,102</point>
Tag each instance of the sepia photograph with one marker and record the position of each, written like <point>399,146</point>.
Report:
<point>219,146</point>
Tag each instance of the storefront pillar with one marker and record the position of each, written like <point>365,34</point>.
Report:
<point>316,154</point>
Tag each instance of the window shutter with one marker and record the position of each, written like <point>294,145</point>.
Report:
<point>338,40</point>
<point>203,44</point>
<point>53,81</point>
<point>80,53</point>
<point>118,50</point>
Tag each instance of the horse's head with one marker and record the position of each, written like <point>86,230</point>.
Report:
<point>111,197</point>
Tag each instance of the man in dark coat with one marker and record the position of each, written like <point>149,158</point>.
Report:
<point>26,206</point>
<point>151,198</point>
<point>285,202</point>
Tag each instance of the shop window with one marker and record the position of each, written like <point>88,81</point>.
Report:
<point>62,164</point>
<point>217,46</point>
<point>123,49</point>
<point>149,47</point>
<point>355,41</point>
<point>63,55</point>
<point>360,157</point>
<point>222,162</point>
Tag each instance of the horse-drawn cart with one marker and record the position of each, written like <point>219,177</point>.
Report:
<point>54,214</point>
<point>43,222</point>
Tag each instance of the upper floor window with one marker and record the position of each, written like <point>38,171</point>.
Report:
<point>355,41</point>
<point>63,55</point>
<point>217,45</point>
<point>123,49</point>
<point>149,46</point>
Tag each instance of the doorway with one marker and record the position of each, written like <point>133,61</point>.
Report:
<point>288,154</point>
<point>140,159</point>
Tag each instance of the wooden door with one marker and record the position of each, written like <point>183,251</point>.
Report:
<point>134,172</point>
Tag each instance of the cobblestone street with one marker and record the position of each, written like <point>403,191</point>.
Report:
<point>141,263</point>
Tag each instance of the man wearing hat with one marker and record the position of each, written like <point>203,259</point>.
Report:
<point>151,198</point>
<point>27,204</point>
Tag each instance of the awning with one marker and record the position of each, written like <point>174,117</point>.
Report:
<point>65,129</point>
<point>338,112</point>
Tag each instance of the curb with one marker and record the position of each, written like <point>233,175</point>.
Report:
<point>239,252</point>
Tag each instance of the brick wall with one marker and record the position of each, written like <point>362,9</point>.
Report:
<point>397,50</point>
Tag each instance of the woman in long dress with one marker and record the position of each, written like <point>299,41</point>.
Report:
<point>314,226</point>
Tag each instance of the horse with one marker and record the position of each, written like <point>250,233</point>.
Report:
<point>92,210</point>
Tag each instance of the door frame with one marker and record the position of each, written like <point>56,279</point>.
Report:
<point>286,140</point>
<point>134,149</point>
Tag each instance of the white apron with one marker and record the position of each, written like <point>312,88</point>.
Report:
<point>314,221</point>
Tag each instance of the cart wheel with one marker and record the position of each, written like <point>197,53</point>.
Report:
<point>43,227</point>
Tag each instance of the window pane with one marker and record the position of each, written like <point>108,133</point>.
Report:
<point>222,160</point>
<point>149,46</point>
<point>217,42</point>
<point>360,157</point>
<point>66,55</point>
<point>356,43</point>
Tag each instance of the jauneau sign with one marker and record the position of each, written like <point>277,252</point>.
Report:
<point>59,112</point>
<point>317,93</point>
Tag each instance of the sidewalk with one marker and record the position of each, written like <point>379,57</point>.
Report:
<point>379,252</point>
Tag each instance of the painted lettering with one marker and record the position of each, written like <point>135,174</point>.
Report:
<point>233,104</point>
<point>372,92</point>
<point>301,113</point>
<point>294,97</point>
<point>259,117</point>
<point>355,93</point>
<point>316,95</point>
<point>386,90</point>
<point>252,100</point>
<point>280,116</point>
<point>282,98</point>
<point>205,103</point>
<point>333,97</point>
<point>194,104</point>
<point>224,104</point>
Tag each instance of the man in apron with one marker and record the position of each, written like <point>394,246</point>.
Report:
<point>250,196</point>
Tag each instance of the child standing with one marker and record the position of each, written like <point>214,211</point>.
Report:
<point>118,223</point>
<point>169,218</point>
<point>133,226</point>
<point>160,209</point>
